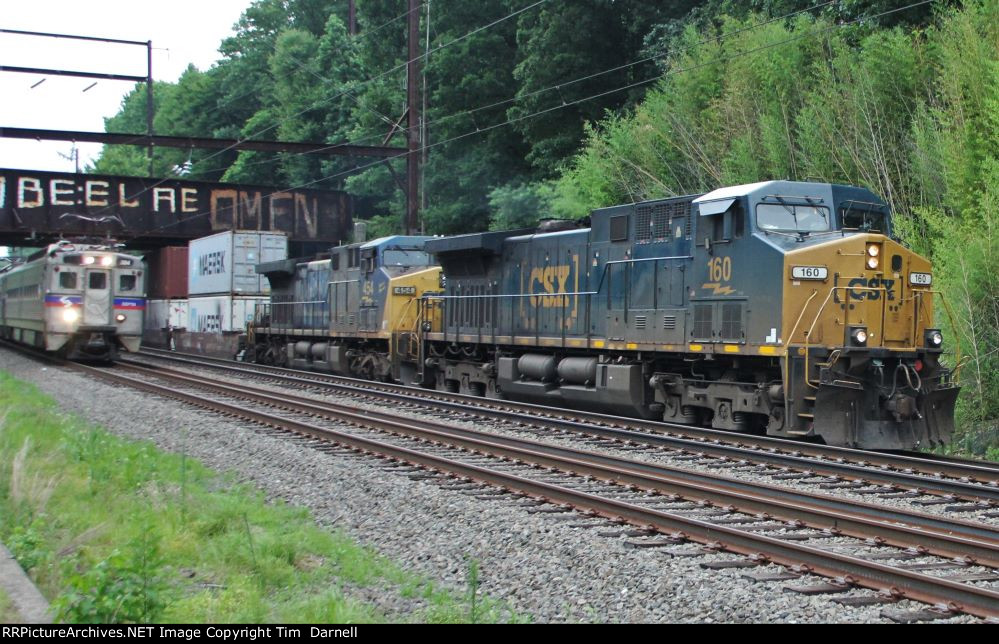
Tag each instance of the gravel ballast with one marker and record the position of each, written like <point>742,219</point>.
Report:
<point>543,565</point>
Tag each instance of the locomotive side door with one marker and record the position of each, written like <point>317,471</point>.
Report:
<point>618,273</point>
<point>97,299</point>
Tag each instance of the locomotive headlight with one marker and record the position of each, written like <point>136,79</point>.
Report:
<point>107,260</point>
<point>120,317</point>
<point>89,259</point>
<point>934,338</point>
<point>873,250</point>
<point>70,315</point>
<point>858,336</point>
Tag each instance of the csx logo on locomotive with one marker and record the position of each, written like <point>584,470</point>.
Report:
<point>862,293</point>
<point>554,280</point>
<point>551,279</point>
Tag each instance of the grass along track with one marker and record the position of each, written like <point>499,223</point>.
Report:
<point>193,544</point>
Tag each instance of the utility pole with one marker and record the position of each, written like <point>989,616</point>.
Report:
<point>352,17</point>
<point>413,133</point>
<point>149,101</point>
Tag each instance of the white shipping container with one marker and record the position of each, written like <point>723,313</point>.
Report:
<point>222,313</point>
<point>163,313</point>
<point>225,263</point>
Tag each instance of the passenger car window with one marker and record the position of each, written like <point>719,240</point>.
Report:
<point>97,281</point>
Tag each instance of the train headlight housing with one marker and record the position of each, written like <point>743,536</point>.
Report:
<point>70,315</point>
<point>120,317</point>
<point>873,252</point>
<point>934,339</point>
<point>858,336</point>
<point>88,259</point>
<point>107,260</point>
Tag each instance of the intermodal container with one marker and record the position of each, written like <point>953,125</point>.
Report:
<point>167,278</point>
<point>222,313</point>
<point>224,264</point>
<point>166,314</point>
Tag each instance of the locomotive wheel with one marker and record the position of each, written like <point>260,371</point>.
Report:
<point>675,412</point>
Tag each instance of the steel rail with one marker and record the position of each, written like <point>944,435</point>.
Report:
<point>940,536</point>
<point>850,570</point>
<point>912,473</point>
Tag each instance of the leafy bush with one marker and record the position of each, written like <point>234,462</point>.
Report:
<point>124,587</point>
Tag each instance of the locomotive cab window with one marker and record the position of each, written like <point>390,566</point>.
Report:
<point>368,260</point>
<point>405,257</point>
<point>721,220</point>
<point>786,217</point>
<point>853,218</point>
<point>67,280</point>
<point>126,283</point>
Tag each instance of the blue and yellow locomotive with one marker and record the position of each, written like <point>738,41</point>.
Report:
<point>777,307</point>
<point>354,312</point>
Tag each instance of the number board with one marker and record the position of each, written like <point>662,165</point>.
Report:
<point>809,272</point>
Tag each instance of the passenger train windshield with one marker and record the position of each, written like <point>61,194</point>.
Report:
<point>405,257</point>
<point>792,218</point>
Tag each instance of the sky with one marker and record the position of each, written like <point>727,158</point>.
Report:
<point>182,32</point>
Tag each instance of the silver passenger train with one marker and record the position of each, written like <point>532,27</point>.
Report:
<point>80,301</point>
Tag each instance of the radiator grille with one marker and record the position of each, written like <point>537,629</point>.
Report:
<point>669,322</point>
<point>702,320</point>
<point>640,321</point>
<point>731,322</point>
<point>643,223</point>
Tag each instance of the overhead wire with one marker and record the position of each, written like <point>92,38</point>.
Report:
<point>362,84</point>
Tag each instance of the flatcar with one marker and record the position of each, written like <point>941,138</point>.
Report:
<point>779,307</point>
<point>82,301</point>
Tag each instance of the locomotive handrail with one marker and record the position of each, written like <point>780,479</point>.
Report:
<point>787,347</point>
<point>603,273</point>
<point>822,308</point>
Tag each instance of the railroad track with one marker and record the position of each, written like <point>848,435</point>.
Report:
<point>952,484</point>
<point>898,555</point>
